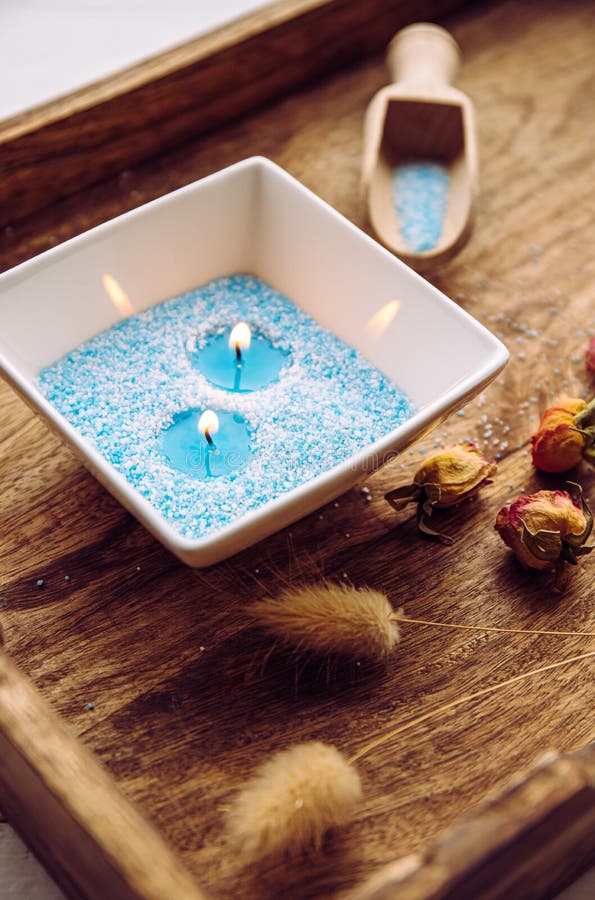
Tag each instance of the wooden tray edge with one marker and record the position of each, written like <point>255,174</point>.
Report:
<point>63,146</point>
<point>69,811</point>
<point>530,839</point>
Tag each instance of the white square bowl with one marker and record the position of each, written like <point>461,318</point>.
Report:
<point>250,218</point>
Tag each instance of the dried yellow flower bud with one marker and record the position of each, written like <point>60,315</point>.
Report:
<point>445,479</point>
<point>453,474</point>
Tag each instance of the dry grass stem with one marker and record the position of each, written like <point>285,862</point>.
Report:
<point>331,619</point>
<point>293,800</point>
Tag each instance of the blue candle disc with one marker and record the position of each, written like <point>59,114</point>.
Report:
<point>260,365</point>
<point>187,450</point>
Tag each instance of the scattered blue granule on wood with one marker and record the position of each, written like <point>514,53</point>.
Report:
<point>420,199</point>
<point>123,387</point>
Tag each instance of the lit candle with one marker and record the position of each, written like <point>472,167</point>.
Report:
<point>188,444</point>
<point>208,424</point>
<point>243,371</point>
<point>240,339</point>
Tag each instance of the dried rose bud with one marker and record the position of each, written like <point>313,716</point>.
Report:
<point>453,474</point>
<point>590,355</point>
<point>565,435</point>
<point>547,528</point>
<point>445,479</point>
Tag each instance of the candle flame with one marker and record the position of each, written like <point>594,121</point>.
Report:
<point>381,319</point>
<point>240,336</point>
<point>117,295</point>
<point>208,423</point>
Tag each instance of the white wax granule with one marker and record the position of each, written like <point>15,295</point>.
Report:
<point>124,386</point>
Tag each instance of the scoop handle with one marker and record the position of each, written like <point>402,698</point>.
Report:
<point>423,54</point>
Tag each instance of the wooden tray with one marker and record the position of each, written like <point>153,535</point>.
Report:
<point>181,709</point>
<point>532,835</point>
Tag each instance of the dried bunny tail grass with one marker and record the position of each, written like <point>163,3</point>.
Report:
<point>334,619</point>
<point>293,800</point>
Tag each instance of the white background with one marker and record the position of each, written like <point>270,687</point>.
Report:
<point>51,47</point>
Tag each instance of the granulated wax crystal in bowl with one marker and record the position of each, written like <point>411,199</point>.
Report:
<point>123,339</point>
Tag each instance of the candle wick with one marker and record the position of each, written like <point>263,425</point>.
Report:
<point>210,440</point>
<point>238,353</point>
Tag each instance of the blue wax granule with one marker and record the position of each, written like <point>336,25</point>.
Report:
<point>125,387</point>
<point>420,200</point>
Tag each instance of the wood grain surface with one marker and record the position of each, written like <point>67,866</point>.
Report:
<point>182,709</point>
<point>73,809</point>
<point>64,145</point>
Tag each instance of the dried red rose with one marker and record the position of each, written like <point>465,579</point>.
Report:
<point>547,528</point>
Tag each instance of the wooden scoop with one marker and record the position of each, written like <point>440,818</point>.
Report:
<point>421,118</point>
